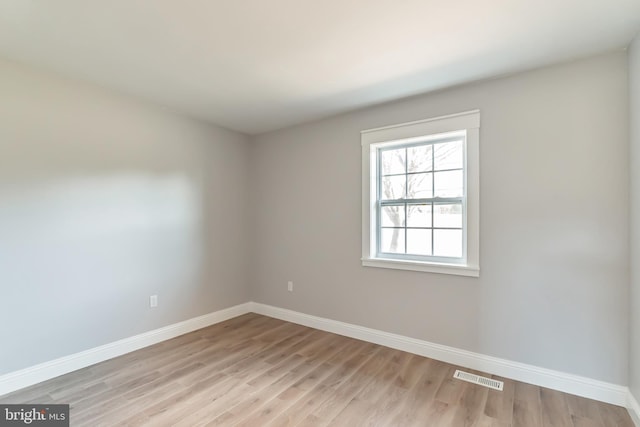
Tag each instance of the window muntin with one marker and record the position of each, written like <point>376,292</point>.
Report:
<point>421,196</point>
<point>428,218</point>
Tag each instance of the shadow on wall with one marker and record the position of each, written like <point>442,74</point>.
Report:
<point>109,241</point>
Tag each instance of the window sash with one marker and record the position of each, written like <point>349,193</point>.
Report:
<point>433,227</point>
<point>380,203</point>
<point>465,124</point>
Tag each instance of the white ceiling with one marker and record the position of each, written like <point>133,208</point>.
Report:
<point>259,65</point>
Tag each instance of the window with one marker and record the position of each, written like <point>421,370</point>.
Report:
<point>420,195</point>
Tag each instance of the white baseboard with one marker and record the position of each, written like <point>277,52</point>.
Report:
<point>634,409</point>
<point>568,383</point>
<point>25,377</point>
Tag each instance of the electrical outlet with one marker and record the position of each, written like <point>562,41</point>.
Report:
<point>290,286</point>
<point>153,301</point>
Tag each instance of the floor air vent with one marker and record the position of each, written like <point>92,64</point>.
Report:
<point>483,381</point>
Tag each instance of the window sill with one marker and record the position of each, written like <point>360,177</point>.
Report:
<point>427,267</point>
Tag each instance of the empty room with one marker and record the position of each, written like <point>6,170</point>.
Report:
<point>338,213</point>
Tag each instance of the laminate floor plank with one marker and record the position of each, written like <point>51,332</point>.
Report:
<point>499,404</point>
<point>527,408</point>
<point>470,406</point>
<point>555,411</point>
<point>344,382</point>
<point>421,397</point>
<point>258,371</point>
<point>372,384</point>
<point>260,415</point>
<point>584,410</point>
<point>584,422</point>
<point>614,416</point>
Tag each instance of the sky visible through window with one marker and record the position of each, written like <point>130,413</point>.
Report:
<point>421,190</point>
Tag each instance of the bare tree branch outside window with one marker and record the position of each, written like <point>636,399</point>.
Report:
<point>407,173</point>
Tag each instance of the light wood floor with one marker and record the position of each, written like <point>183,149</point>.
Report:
<point>257,371</point>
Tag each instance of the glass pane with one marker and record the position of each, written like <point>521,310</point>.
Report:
<point>393,161</point>
<point>449,216</point>
<point>393,187</point>
<point>419,242</point>
<point>419,158</point>
<point>392,216</point>
<point>420,186</point>
<point>447,243</point>
<point>392,240</point>
<point>449,184</point>
<point>448,155</point>
<point>419,216</point>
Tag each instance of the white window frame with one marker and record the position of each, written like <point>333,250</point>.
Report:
<point>467,123</point>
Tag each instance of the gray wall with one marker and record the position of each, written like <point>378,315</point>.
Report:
<point>104,201</point>
<point>554,223</point>
<point>634,92</point>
